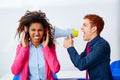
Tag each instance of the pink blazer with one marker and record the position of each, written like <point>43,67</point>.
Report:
<point>20,63</point>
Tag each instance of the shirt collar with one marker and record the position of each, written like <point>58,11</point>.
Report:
<point>94,40</point>
<point>30,43</point>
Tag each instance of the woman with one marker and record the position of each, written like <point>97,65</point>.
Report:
<point>36,54</point>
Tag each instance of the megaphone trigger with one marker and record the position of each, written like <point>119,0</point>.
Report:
<point>70,36</point>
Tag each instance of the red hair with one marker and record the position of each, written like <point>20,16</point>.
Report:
<point>97,21</point>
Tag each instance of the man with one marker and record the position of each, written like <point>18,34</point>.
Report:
<point>95,59</point>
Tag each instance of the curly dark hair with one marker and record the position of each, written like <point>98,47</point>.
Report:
<point>33,17</point>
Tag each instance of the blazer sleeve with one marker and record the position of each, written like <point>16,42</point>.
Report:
<point>51,58</point>
<point>21,57</point>
<point>98,55</point>
<point>77,60</point>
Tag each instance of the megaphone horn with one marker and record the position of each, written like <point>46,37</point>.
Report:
<point>65,33</point>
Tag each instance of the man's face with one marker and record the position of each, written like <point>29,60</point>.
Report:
<point>87,30</point>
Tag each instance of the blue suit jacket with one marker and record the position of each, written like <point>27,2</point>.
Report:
<point>97,62</point>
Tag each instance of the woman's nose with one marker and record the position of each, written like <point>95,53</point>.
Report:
<point>36,32</point>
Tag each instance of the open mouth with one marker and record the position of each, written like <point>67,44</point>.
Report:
<point>36,38</point>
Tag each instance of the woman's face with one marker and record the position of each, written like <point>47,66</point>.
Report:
<point>36,32</point>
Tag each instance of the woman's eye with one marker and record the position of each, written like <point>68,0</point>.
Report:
<point>33,30</point>
<point>40,30</point>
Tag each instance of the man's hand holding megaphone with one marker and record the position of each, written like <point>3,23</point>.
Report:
<point>68,42</point>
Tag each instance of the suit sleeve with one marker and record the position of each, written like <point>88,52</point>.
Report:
<point>95,57</point>
<point>77,60</point>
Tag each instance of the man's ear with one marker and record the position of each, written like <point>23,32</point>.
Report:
<point>94,29</point>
